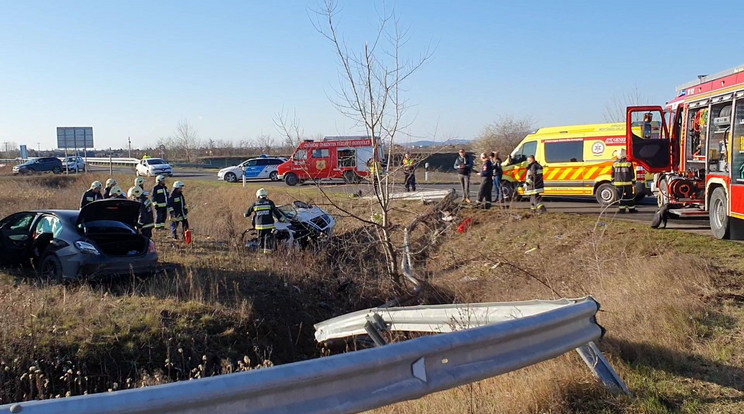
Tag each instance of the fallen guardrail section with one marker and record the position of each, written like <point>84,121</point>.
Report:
<point>423,195</point>
<point>485,340</point>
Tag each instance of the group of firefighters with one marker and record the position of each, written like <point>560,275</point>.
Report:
<point>163,203</point>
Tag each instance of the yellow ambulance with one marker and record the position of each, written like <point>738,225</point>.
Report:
<point>577,161</point>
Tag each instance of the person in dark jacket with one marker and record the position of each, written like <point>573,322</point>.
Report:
<point>145,222</point>
<point>534,186</point>
<point>464,165</point>
<point>409,172</point>
<point>160,201</point>
<point>263,221</point>
<point>486,174</point>
<point>93,194</point>
<point>177,209</point>
<point>110,183</point>
<point>498,174</point>
<point>623,176</point>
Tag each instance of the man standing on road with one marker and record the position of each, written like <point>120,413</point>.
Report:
<point>623,176</point>
<point>263,221</point>
<point>534,186</point>
<point>409,172</point>
<point>93,194</point>
<point>177,209</point>
<point>486,174</point>
<point>110,183</point>
<point>160,201</point>
<point>498,173</point>
<point>464,165</point>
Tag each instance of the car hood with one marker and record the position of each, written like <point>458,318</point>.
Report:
<point>125,211</point>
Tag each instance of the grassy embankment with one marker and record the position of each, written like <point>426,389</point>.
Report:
<point>671,303</point>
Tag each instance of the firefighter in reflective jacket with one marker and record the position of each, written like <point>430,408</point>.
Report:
<point>177,209</point>
<point>160,201</point>
<point>534,186</point>
<point>263,221</point>
<point>409,172</point>
<point>110,183</point>
<point>93,194</point>
<point>144,222</point>
<point>623,176</point>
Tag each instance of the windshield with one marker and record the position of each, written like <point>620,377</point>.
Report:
<point>30,161</point>
<point>155,161</point>
<point>71,159</point>
<point>288,211</point>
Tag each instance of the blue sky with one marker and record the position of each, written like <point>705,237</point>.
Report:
<point>136,68</point>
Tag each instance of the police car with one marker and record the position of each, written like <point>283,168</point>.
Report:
<point>261,168</point>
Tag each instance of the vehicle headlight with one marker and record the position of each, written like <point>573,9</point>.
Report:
<point>86,247</point>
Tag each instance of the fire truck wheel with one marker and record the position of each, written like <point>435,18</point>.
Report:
<point>606,194</point>
<point>719,220</point>
<point>291,179</point>
<point>662,195</point>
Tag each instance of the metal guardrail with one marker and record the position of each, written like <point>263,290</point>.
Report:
<point>361,380</point>
<point>112,161</point>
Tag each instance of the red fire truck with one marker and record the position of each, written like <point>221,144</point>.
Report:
<point>341,157</point>
<point>697,155</point>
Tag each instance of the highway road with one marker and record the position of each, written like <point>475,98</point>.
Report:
<point>582,206</point>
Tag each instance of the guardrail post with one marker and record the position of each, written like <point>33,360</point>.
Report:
<point>111,165</point>
<point>594,359</point>
<point>243,178</point>
<point>375,326</point>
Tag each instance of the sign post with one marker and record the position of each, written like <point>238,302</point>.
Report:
<point>74,138</point>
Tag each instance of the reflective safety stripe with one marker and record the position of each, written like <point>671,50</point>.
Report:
<point>535,191</point>
<point>264,226</point>
<point>146,226</point>
<point>262,208</point>
<point>89,198</point>
<point>177,200</point>
<point>160,226</point>
<point>622,183</point>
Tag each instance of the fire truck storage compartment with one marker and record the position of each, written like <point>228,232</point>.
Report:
<point>346,158</point>
<point>737,144</point>
<point>720,129</point>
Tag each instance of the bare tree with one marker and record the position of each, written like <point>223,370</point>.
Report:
<point>289,127</point>
<point>370,85</point>
<point>504,134</point>
<point>186,139</point>
<point>265,143</point>
<point>615,110</point>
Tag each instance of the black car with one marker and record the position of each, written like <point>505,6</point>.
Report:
<point>36,165</point>
<point>98,240</point>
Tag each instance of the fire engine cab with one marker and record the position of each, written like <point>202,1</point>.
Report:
<point>695,148</point>
<point>342,157</point>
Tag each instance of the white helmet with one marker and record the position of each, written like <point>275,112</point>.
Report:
<point>262,193</point>
<point>178,184</point>
<point>110,182</point>
<point>116,191</point>
<point>135,192</point>
<point>96,185</point>
<point>139,182</point>
<point>160,179</point>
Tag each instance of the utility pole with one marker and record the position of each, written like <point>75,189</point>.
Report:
<point>38,145</point>
<point>129,142</point>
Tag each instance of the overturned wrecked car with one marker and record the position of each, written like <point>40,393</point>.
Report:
<point>302,225</point>
<point>98,240</point>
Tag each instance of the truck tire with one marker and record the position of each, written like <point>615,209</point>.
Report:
<point>291,179</point>
<point>606,194</point>
<point>662,195</point>
<point>717,213</point>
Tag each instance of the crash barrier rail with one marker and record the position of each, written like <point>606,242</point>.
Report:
<point>417,195</point>
<point>371,378</point>
<point>112,161</point>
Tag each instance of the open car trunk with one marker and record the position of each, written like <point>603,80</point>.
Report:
<point>110,225</point>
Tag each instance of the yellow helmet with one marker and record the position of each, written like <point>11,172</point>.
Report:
<point>96,185</point>
<point>110,182</point>
<point>116,191</point>
<point>139,182</point>
<point>178,184</point>
<point>262,193</point>
<point>135,192</point>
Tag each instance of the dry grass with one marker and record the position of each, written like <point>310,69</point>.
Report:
<point>671,303</point>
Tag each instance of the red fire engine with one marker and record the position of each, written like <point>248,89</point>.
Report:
<point>698,161</point>
<point>346,158</point>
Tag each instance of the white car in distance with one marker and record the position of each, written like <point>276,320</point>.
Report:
<point>151,167</point>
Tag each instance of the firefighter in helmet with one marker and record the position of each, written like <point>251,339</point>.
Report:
<point>534,186</point>
<point>93,194</point>
<point>263,221</point>
<point>177,209</point>
<point>140,182</point>
<point>623,176</point>
<point>110,183</point>
<point>160,201</point>
<point>117,192</point>
<point>144,221</point>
